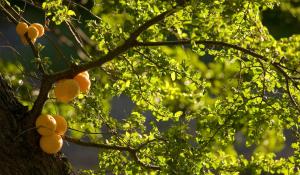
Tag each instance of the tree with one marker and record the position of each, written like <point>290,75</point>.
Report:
<point>206,69</point>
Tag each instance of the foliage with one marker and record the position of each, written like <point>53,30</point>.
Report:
<point>231,77</point>
<point>57,10</point>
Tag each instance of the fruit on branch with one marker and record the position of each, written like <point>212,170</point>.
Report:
<point>45,125</point>
<point>83,81</point>
<point>66,90</point>
<point>24,40</point>
<point>32,32</point>
<point>61,125</point>
<point>40,28</point>
<point>51,144</point>
<point>21,28</point>
<point>51,128</point>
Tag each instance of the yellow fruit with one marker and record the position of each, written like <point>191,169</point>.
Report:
<point>84,82</point>
<point>66,90</point>
<point>51,144</point>
<point>21,28</point>
<point>86,74</point>
<point>61,125</point>
<point>45,125</point>
<point>40,28</point>
<point>32,32</point>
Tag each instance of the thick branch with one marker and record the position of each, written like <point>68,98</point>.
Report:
<point>98,145</point>
<point>70,73</point>
<point>132,152</point>
<point>47,81</point>
<point>129,43</point>
<point>46,85</point>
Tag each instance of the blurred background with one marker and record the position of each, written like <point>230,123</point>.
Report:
<point>282,21</point>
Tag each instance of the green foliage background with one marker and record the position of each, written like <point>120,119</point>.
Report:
<point>206,94</point>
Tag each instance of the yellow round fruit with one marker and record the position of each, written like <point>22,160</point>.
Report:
<point>40,28</point>
<point>32,32</point>
<point>45,125</point>
<point>84,82</point>
<point>61,125</point>
<point>51,144</point>
<point>21,28</point>
<point>86,74</point>
<point>66,90</point>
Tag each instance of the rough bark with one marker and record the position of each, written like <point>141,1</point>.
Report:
<point>19,151</point>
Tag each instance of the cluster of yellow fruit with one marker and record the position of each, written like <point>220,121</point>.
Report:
<point>67,89</point>
<point>34,31</point>
<point>51,129</point>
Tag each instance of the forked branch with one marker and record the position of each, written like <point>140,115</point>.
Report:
<point>260,58</point>
<point>133,152</point>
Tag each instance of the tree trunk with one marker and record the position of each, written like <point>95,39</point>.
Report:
<point>19,146</point>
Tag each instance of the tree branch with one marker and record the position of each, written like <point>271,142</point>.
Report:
<point>224,44</point>
<point>129,43</point>
<point>132,152</point>
<point>77,38</point>
<point>204,42</point>
<point>287,78</point>
<point>84,8</point>
<point>151,22</point>
<point>98,145</point>
<point>137,160</point>
<point>88,133</point>
<point>6,10</point>
<point>150,141</point>
<point>289,93</point>
<point>46,85</point>
<point>70,73</point>
<point>8,15</point>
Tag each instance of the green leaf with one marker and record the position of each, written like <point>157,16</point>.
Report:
<point>178,114</point>
<point>71,13</point>
<point>173,76</point>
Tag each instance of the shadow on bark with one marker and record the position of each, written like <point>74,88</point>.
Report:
<point>20,153</point>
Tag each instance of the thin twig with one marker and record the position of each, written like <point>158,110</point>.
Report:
<point>289,93</point>
<point>77,38</point>
<point>86,9</point>
<point>204,42</point>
